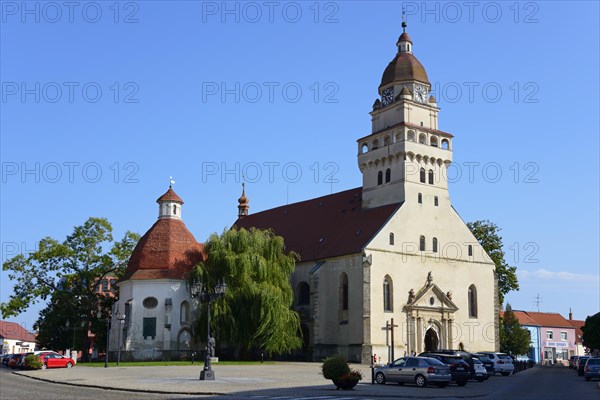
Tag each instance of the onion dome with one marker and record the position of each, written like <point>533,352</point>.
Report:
<point>404,67</point>
<point>243,203</point>
<point>168,250</point>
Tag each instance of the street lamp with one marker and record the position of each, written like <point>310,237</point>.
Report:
<point>107,321</point>
<point>200,291</point>
<point>121,319</point>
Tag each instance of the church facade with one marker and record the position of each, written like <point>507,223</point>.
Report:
<point>388,268</point>
<point>393,252</point>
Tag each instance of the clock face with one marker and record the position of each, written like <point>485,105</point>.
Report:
<point>387,97</point>
<point>420,94</point>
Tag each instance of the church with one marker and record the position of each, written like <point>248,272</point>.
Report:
<point>388,268</point>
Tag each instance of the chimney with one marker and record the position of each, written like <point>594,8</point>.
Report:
<point>570,314</point>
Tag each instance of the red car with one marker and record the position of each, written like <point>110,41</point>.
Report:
<point>55,360</point>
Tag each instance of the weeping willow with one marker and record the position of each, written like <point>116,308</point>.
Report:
<point>255,312</point>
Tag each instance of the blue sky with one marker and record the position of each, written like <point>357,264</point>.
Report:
<point>102,103</point>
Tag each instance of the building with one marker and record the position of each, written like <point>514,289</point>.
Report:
<point>152,318</point>
<point>386,268</point>
<point>14,339</point>
<point>535,350</point>
<point>556,337</point>
<point>393,251</point>
<point>578,325</point>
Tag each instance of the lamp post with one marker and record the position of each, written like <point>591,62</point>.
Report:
<point>121,319</point>
<point>201,292</point>
<point>107,321</point>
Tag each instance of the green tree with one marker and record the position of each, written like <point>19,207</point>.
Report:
<point>487,234</point>
<point>255,312</point>
<point>591,332</point>
<point>514,339</point>
<point>69,273</point>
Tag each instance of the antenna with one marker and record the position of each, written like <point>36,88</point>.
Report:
<point>537,301</point>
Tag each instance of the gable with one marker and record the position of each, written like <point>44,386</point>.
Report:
<point>431,297</point>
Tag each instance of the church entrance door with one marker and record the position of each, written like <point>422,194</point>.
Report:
<point>431,340</point>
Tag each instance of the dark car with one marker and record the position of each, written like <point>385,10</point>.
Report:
<point>581,364</point>
<point>485,360</point>
<point>572,361</point>
<point>459,368</point>
<point>592,368</point>
<point>466,356</point>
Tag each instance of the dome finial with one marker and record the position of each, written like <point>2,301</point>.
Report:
<point>243,202</point>
<point>404,19</point>
<point>171,181</point>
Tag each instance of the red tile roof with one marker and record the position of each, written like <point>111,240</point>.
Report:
<point>523,317</point>
<point>170,195</point>
<point>323,227</point>
<point>167,250</point>
<point>12,330</point>
<point>541,319</point>
<point>578,324</point>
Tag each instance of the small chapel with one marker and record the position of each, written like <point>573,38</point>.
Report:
<point>388,268</point>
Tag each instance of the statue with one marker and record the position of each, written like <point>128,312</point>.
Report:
<point>211,347</point>
<point>429,278</point>
<point>449,294</point>
<point>411,296</point>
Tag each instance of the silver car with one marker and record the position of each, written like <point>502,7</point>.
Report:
<point>417,370</point>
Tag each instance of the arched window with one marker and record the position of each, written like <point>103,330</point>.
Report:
<point>386,141</point>
<point>434,245</point>
<point>174,209</point>
<point>422,137</point>
<point>411,136</point>
<point>375,144</point>
<point>470,250</point>
<point>344,291</point>
<point>387,294</point>
<point>420,198</point>
<point>435,201</point>
<point>431,177</point>
<point>422,243</point>
<point>433,141</point>
<point>184,312</point>
<point>364,148</point>
<point>422,175</point>
<point>445,144</point>
<point>380,177</point>
<point>472,301</point>
<point>303,293</point>
<point>388,175</point>
<point>391,238</point>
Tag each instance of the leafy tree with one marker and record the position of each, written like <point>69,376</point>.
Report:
<point>255,312</point>
<point>69,273</point>
<point>487,234</point>
<point>591,332</point>
<point>514,339</point>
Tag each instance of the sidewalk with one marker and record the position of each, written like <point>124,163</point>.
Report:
<point>283,379</point>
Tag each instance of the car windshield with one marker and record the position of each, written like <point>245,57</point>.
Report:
<point>433,361</point>
<point>476,361</point>
<point>593,361</point>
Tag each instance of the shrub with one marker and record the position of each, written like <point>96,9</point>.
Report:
<point>32,361</point>
<point>334,367</point>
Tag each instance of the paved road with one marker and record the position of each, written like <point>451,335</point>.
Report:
<point>536,383</point>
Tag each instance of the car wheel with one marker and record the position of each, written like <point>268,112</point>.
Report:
<point>480,379</point>
<point>442,384</point>
<point>69,365</point>
<point>461,383</point>
<point>587,378</point>
<point>380,378</point>
<point>420,381</point>
<point>505,373</point>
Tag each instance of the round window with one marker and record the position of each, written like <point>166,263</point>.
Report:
<point>150,302</point>
<point>431,300</point>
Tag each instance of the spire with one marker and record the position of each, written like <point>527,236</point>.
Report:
<point>404,42</point>
<point>243,203</point>
<point>169,204</point>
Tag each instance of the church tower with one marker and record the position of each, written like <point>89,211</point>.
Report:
<point>406,156</point>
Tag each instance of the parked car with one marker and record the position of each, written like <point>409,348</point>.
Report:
<point>16,360</point>
<point>465,355</point>
<point>55,360</point>
<point>485,360</point>
<point>481,373</point>
<point>572,361</point>
<point>592,368</point>
<point>418,370</point>
<point>459,369</point>
<point>581,364</point>
<point>503,363</point>
<point>7,359</point>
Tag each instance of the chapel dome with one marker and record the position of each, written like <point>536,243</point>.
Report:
<point>167,251</point>
<point>404,67</point>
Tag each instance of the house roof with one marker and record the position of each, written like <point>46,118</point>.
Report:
<point>167,251</point>
<point>323,227</point>
<point>170,195</point>
<point>12,330</point>
<point>578,324</point>
<point>541,319</point>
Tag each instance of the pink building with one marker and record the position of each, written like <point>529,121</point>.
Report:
<point>557,337</point>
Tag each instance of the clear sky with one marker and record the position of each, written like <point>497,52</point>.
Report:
<point>103,101</point>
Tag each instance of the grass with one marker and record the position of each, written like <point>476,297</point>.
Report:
<point>166,363</point>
